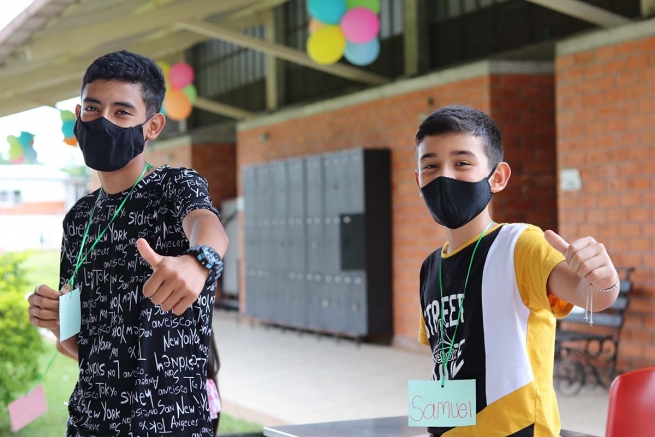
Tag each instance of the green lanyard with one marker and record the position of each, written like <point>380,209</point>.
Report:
<point>446,358</point>
<point>80,258</point>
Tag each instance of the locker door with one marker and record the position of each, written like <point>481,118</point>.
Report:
<point>354,163</point>
<point>356,306</point>
<point>295,231</point>
<point>266,252</point>
<point>334,196</point>
<point>314,219</point>
<point>296,215</point>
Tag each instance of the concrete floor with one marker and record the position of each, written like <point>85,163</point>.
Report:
<point>275,377</point>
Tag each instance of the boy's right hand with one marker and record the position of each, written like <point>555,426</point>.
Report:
<point>44,307</point>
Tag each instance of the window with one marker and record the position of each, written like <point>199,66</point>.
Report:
<point>3,196</point>
<point>17,197</point>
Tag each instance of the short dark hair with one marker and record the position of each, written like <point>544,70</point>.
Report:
<point>464,120</point>
<point>129,67</point>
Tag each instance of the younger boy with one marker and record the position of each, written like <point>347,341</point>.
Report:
<point>490,296</point>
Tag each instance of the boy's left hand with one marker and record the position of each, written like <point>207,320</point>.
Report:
<point>588,258</point>
<point>176,281</point>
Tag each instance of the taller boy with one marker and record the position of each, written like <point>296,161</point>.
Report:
<point>145,252</point>
<point>490,296</point>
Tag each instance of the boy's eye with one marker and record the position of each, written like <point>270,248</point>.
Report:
<point>429,166</point>
<point>122,112</point>
<point>462,163</point>
<point>90,108</point>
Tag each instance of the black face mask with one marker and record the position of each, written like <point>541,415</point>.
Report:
<point>106,146</point>
<point>454,203</point>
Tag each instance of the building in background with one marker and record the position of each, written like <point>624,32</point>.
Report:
<point>33,202</point>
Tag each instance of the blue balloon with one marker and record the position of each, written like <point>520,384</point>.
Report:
<point>362,54</point>
<point>327,11</point>
<point>68,129</point>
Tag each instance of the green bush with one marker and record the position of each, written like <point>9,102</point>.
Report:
<point>20,343</point>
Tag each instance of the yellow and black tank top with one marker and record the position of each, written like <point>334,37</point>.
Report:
<point>506,335</point>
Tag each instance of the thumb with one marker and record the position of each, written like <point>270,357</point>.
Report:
<point>556,241</point>
<point>148,253</point>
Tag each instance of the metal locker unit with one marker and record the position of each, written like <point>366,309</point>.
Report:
<point>322,237</point>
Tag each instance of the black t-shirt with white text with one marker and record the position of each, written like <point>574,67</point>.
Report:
<point>142,371</point>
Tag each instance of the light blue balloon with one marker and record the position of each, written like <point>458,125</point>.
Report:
<point>362,54</point>
<point>327,11</point>
<point>67,128</point>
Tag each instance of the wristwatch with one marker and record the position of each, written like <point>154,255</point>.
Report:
<point>207,256</point>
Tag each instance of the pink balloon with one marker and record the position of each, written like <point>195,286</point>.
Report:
<point>180,75</point>
<point>360,25</point>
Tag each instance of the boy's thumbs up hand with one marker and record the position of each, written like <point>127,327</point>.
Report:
<point>588,258</point>
<point>176,281</point>
<point>148,253</point>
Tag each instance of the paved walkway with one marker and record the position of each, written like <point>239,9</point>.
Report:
<point>274,377</point>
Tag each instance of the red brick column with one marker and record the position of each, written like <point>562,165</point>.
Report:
<point>606,129</point>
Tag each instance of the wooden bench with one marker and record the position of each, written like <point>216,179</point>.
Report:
<point>584,352</point>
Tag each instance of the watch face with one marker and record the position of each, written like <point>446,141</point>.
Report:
<point>209,255</point>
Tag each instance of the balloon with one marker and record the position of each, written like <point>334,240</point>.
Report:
<point>177,105</point>
<point>327,11</point>
<point>191,93</point>
<point>362,54</point>
<point>373,5</point>
<point>68,129</point>
<point>165,67</point>
<point>181,75</point>
<point>71,141</point>
<point>15,149</point>
<point>67,116</point>
<point>326,45</point>
<point>314,25</point>
<point>26,140</point>
<point>360,25</point>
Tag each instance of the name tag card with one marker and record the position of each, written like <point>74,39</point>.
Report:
<point>70,314</point>
<point>433,405</point>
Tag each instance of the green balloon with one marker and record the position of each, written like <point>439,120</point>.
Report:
<point>67,116</point>
<point>191,93</point>
<point>373,5</point>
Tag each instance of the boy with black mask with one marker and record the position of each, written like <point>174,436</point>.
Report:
<point>142,254</point>
<point>491,295</point>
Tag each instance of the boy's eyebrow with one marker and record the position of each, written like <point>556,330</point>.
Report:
<point>121,104</point>
<point>452,153</point>
<point>124,105</point>
<point>428,155</point>
<point>462,152</point>
<point>92,100</point>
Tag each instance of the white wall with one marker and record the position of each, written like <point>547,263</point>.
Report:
<point>34,190</point>
<point>21,232</point>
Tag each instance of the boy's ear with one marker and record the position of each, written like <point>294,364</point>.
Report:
<point>500,178</point>
<point>154,126</point>
<point>78,111</point>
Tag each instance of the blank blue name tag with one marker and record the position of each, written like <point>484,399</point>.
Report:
<point>433,405</point>
<point>70,314</point>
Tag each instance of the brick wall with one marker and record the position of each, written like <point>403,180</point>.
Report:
<point>523,105</point>
<point>35,208</point>
<point>217,163</point>
<point>180,156</point>
<point>606,128</point>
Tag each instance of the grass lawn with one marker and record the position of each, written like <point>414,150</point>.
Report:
<point>58,384</point>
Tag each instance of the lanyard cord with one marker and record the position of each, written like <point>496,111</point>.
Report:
<point>446,357</point>
<point>80,258</point>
